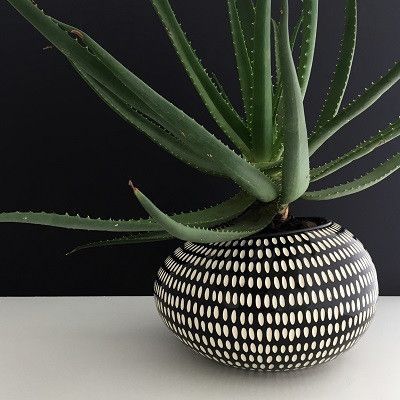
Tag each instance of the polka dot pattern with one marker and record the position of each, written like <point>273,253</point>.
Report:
<point>270,303</point>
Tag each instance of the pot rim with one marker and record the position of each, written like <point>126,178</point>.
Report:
<point>321,223</point>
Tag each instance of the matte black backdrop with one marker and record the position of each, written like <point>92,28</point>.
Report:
<point>62,149</point>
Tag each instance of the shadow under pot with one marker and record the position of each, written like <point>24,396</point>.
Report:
<point>276,301</point>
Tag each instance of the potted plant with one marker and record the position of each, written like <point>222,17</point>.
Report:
<point>251,287</point>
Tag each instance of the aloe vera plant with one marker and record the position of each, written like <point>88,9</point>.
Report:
<point>270,143</point>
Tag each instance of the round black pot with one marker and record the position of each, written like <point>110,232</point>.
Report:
<point>273,302</point>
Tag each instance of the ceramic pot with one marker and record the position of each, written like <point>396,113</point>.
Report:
<point>273,302</point>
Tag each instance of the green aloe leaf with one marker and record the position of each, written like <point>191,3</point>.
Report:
<point>343,67</point>
<point>262,120</point>
<point>96,62</point>
<point>208,217</point>
<point>252,221</point>
<point>239,170</point>
<point>296,169</point>
<point>277,147</point>
<point>174,145</point>
<point>370,179</point>
<point>295,32</point>
<point>275,29</point>
<point>242,58</point>
<point>364,148</point>
<point>77,222</point>
<point>220,88</point>
<point>309,31</point>
<point>226,117</point>
<point>293,38</point>
<point>247,13</point>
<point>220,157</point>
<point>355,108</point>
<point>277,117</point>
<point>140,237</point>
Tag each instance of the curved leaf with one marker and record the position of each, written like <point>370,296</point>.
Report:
<point>96,62</point>
<point>262,118</point>
<point>174,145</point>
<point>296,169</point>
<point>220,88</point>
<point>277,121</point>
<point>140,237</point>
<point>242,58</point>
<point>295,32</point>
<point>357,185</point>
<point>252,221</point>
<point>309,24</point>
<point>211,216</point>
<point>293,38</point>
<point>278,88</point>
<point>343,67</point>
<point>355,108</point>
<point>246,13</point>
<point>392,132</point>
<point>227,118</point>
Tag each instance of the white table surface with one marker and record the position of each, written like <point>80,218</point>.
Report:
<point>117,348</point>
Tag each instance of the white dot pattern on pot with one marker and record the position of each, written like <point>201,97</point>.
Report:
<point>271,303</point>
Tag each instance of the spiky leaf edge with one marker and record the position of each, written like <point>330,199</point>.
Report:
<point>141,237</point>
<point>309,34</point>
<point>361,150</point>
<point>206,217</point>
<point>243,62</point>
<point>355,108</point>
<point>98,63</point>
<point>226,117</point>
<point>343,67</point>
<point>357,185</point>
<point>247,12</point>
<point>252,221</point>
<point>296,168</point>
<point>262,118</point>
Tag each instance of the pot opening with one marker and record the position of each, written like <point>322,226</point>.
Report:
<point>294,225</point>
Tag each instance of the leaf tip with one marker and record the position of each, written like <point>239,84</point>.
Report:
<point>70,252</point>
<point>134,188</point>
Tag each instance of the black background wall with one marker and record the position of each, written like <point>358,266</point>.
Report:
<point>63,150</point>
